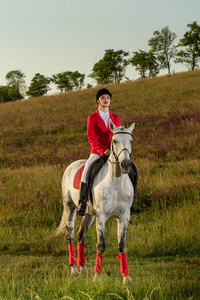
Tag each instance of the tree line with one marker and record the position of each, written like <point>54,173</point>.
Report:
<point>112,67</point>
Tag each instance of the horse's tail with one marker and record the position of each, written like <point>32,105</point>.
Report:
<point>63,223</point>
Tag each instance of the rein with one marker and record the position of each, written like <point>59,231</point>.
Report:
<point>113,151</point>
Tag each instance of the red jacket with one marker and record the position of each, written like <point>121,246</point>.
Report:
<point>99,136</point>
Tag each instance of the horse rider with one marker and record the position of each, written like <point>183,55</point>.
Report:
<point>99,137</point>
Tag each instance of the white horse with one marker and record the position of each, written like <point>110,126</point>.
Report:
<point>112,194</point>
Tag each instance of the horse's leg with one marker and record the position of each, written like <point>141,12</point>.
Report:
<point>100,246</point>
<point>86,222</point>
<point>122,228</point>
<point>70,220</point>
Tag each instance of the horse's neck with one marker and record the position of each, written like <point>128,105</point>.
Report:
<point>113,168</point>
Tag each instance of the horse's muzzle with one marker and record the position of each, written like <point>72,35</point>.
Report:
<point>125,166</point>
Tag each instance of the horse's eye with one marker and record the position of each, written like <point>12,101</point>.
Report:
<point>114,142</point>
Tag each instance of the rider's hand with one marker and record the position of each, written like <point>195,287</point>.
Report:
<point>107,152</point>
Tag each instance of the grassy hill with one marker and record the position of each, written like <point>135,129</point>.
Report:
<point>41,136</point>
<point>52,130</point>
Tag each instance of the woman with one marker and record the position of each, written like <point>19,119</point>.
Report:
<point>99,137</point>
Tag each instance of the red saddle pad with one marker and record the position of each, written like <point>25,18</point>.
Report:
<point>77,178</point>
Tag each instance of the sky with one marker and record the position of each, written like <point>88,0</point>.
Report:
<point>53,36</point>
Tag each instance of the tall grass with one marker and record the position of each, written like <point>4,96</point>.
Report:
<point>40,137</point>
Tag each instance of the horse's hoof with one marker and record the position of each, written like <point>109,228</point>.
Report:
<point>74,270</point>
<point>83,269</point>
<point>127,280</point>
<point>97,277</point>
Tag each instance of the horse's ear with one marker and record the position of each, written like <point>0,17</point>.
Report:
<point>130,129</point>
<point>111,125</point>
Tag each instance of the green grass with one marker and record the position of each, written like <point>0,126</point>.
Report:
<point>38,140</point>
<point>163,246</point>
<point>49,278</point>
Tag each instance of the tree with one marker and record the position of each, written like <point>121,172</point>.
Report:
<point>140,62</point>
<point>111,68</point>
<point>118,62</point>
<point>143,62</point>
<point>68,80</point>
<point>77,80</point>
<point>190,54</point>
<point>39,86</point>
<point>4,94</point>
<point>101,72</point>
<point>63,81</point>
<point>153,65</point>
<point>16,84</point>
<point>162,45</point>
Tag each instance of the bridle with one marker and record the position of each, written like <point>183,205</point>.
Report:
<point>113,151</point>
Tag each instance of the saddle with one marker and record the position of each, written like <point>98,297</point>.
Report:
<point>77,178</point>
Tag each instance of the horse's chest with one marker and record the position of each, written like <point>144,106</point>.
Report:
<point>114,196</point>
<point>119,193</point>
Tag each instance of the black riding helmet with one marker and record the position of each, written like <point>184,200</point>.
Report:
<point>102,92</point>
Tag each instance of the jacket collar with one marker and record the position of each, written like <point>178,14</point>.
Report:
<point>100,121</point>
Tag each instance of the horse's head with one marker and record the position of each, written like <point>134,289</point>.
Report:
<point>121,145</point>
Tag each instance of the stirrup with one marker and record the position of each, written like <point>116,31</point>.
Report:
<point>81,209</point>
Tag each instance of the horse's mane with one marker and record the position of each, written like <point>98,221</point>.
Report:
<point>120,128</point>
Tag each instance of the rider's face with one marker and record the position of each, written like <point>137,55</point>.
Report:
<point>104,100</point>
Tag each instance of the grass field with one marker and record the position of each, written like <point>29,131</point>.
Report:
<point>40,137</point>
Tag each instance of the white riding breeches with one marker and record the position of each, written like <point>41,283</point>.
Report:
<point>90,160</point>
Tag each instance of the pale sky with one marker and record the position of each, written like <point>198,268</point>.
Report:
<point>49,37</point>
